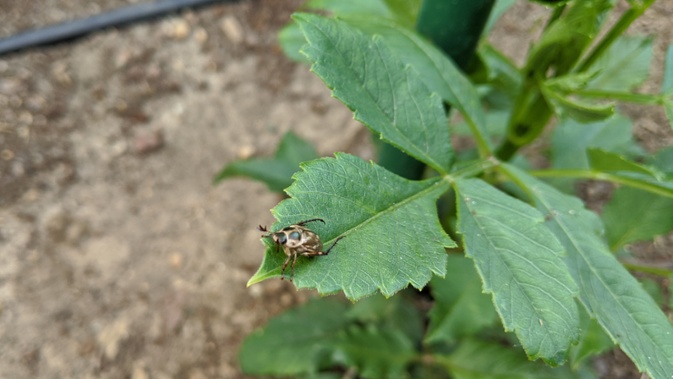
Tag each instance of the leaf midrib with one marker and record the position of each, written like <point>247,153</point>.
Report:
<point>521,285</point>
<point>614,296</point>
<point>523,288</point>
<point>396,205</point>
<point>513,230</point>
<point>428,159</point>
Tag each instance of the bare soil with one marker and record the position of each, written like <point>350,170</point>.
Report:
<point>118,257</point>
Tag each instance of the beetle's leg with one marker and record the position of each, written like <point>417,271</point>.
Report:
<point>294,261</point>
<point>331,247</point>
<point>282,272</point>
<point>311,220</point>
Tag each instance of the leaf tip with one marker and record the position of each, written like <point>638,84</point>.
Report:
<point>253,280</point>
<point>259,277</point>
<point>299,16</point>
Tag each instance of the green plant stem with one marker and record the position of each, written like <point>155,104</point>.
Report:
<point>664,272</point>
<point>558,11</point>
<point>532,112</point>
<point>473,169</point>
<point>589,174</point>
<point>615,32</point>
<point>456,28</point>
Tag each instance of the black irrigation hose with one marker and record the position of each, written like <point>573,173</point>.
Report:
<point>77,28</point>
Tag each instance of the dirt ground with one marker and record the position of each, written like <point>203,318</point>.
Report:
<point>118,258</point>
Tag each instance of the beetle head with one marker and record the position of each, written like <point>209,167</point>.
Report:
<point>279,237</point>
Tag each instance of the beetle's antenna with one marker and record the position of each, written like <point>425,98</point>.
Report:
<point>311,220</point>
<point>263,229</point>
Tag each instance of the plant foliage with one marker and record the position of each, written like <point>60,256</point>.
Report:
<point>276,172</point>
<point>388,241</point>
<point>527,253</point>
<point>520,263</point>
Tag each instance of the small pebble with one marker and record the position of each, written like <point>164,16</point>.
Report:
<point>246,151</point>
<point>175,260</point>
<point>148,142</point>
<point>200,35</point>
<point>7,155</point>
<point>232,29</point>
<point>181,29</point>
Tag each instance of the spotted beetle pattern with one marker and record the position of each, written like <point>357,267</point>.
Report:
<point>297,240</point>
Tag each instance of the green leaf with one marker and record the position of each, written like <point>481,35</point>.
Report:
<point>502,74</point>
<point>520,263</point>
<point>500,7</point>
<point>376,336</point>
<point>484,360</point>
<point>276,172</point>
<point>668,108</point>
<point>575,108</point>
<point>383,339</point>
<point>670,290</point>
<point>634,215</point>
<point>386,96</point>
<point>291,39</point>
<point>396,313</point>
<point>392,236</point>
<point>609,293</point>
<point>606,161</point>
<point>377,352</point>
<point>402,12</point>
<point>593,341</point>
<point>570,82</point>
<point>323,375</point>
<point>296,342</point>
<point>460,309</point>
<point>496,126</point>
<point>654,289</point>
<point>348,7</point>
<point>641,181</point>
<point>551,2</point>
<point>563,42</point>
<point>405,11</point>
<point>623,66</point>
<point>663,160</point>
<point>667,83</point>
<point>436,70</point>
<point>616,168</point>
<point>571,139</point>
